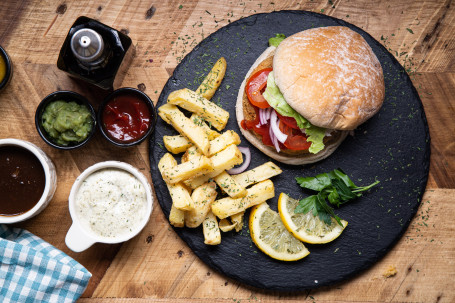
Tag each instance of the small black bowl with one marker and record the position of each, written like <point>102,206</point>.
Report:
<point>127,91</point>
<point>9,68</point>
<point>63,96</point>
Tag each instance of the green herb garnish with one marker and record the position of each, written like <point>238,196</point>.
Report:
<point>335,186</point>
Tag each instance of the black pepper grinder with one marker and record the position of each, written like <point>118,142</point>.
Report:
<point>96,53</point>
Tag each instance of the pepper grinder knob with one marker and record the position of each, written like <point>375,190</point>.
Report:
<point>87,45</point>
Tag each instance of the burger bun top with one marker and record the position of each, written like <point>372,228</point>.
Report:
<point>330,76</point>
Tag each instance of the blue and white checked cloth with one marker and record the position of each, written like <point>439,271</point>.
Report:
<point>32,270</point>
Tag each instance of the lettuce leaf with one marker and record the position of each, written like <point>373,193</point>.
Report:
<point>275,41</point>
<point>276,100</point>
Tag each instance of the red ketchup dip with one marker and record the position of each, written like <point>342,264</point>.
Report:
<point>126,118</point>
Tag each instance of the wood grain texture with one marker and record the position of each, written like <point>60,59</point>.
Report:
<point>157,266</point>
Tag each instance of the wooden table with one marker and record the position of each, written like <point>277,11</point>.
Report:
<point>156,265</point>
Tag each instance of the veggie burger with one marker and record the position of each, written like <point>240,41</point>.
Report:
<point>300,99</point>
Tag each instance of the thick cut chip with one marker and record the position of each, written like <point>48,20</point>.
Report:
<point>177,217</point>
<point>193,102</point>
<point>258,174</point>
<point>176,144</point>
<point>179,193</point>
<point>211,134</point>
<point>237,219</point>
<point>190,154</point>
<point>256,194</point>
<point>212,234</point>
<point>227,138</point>
<point>213,80</point>
<point>185,127</point>
<point>185,170</point>
<point>224,160</point>
<point>179,143</point>
<point>225,225</point>
<point>216,145</point>
<point>229,186</point>
<point>202,197</point>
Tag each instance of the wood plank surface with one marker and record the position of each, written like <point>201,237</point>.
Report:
<point>156,266</point>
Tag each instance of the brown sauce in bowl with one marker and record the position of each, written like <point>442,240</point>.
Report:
<point>22,180</point>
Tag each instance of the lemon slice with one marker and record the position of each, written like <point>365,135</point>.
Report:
<point>269,234</point>
<point>306,227</point>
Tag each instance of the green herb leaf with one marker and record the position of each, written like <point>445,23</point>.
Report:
<point>317,183</point>
<point>326,211</point>
<point>335,186</point>
<point>339,174</point>
<point>344,192</point>
<point>365,188</point>
<point>306,205</point>
<point>318,207</point>
<point>410,30</point>
<point>334,197</point>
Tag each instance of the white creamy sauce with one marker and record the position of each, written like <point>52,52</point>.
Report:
<point>111,203</point>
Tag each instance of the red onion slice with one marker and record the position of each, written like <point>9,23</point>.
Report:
<point>264,115</point>
<point>262,120</point>
<point>274,140</point>
<point>276,129</point>
<point>245,164</point>
<point>268,113</point>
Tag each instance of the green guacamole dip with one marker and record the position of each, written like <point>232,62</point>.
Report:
<point>67,122</point>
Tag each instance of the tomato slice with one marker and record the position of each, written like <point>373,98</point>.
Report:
<point>262,130</point>
<point>297,143</point>
<point>289,121</point>
<point>255,87</point>
<point>250,124</point>
<point>297,140</point>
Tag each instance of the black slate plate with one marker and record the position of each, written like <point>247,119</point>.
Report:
<point>393,147</point>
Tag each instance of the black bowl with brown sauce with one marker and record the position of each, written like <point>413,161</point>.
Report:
<point>28,180</point>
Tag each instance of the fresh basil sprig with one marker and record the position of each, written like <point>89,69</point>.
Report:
<point>335,186</point>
